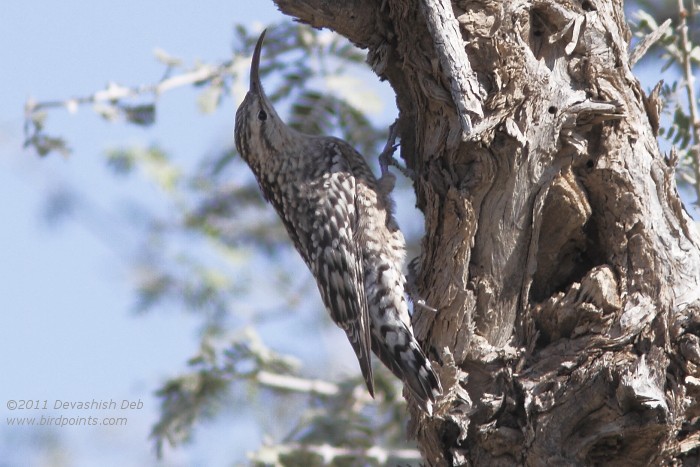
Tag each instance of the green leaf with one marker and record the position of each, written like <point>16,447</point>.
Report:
<point>44,144</point>
<point>120,161</point>
<point>143,115</point>
<point>695,54</point>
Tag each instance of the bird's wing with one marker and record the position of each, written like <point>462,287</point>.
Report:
<point>336,261</point>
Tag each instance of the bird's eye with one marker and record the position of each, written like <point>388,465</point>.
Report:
<point>262,115</point>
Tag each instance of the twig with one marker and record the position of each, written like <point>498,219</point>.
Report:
<point>294,384</point>
<point>650,39</point>
<point>330,453</point>
<point>115,92</point>
<point>692,99</point>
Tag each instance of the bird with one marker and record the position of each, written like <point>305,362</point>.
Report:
<point>340,219</point>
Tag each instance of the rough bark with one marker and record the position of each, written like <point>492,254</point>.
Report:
<point>563,265</point>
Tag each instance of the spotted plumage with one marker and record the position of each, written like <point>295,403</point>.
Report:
<point>339,217</point>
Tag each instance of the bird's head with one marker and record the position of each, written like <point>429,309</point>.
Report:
<point>259,132</point>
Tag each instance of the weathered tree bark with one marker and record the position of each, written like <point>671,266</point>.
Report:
<point>563,265</point>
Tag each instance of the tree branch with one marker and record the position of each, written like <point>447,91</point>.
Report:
<point>464,87</point>
<point>354,19</point>
<point>645,44</point>
<point>294,384</point>
<point>115,92</point>
<point>330,453</point>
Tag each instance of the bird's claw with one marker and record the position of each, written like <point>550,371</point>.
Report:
<point>386,158</point>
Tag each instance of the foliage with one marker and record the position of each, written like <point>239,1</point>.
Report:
<point>679,100</point>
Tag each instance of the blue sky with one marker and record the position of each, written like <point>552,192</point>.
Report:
<point>67,330</point>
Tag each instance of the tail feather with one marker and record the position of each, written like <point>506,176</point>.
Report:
<point>364,358</point>
<point>408,362</point>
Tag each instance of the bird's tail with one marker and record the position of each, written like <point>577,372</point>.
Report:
<point>400,352</point>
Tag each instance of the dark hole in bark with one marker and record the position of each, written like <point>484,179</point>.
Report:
<point>588,6</point>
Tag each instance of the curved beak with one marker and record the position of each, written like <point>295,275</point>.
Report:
<point>255,84</point>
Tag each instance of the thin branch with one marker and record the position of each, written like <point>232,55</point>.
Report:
<point>692,98</point>
<point>114,92</point>
<point>294,384</point>
<point>330,453</point>
<point>650,39</point>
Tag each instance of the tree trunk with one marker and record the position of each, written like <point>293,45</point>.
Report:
<point>564,268</point>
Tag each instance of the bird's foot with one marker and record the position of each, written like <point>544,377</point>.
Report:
<point>386,158</point>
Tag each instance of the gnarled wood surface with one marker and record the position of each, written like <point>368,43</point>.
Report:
<point>564,268</point>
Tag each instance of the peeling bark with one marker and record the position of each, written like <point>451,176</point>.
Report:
<point>563,265</point>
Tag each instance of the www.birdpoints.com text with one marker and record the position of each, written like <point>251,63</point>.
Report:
<point>30,407</point>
